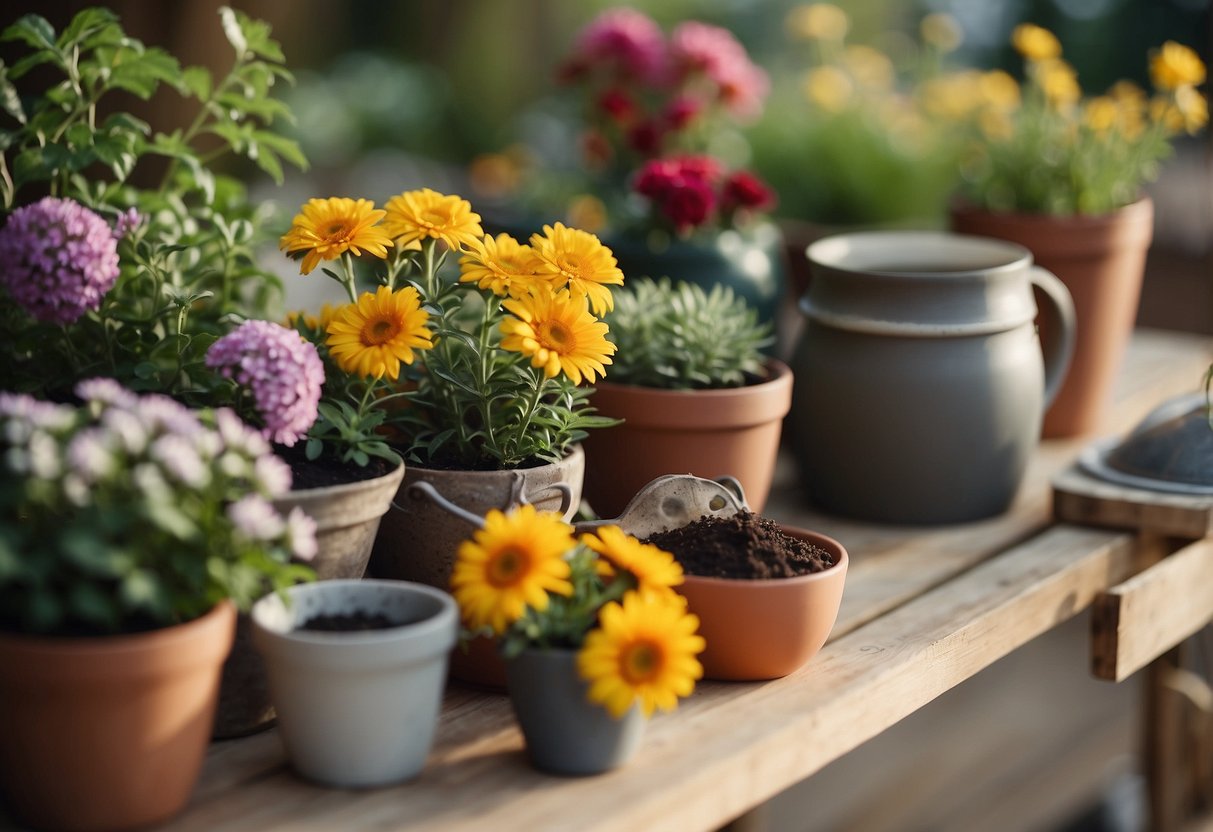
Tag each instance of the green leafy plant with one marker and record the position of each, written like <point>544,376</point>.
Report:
<point>679,336</point>
<point>186,253</point>
<point>133,512</point>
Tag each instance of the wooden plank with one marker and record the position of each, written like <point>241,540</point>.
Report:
<point>1081,498</point>
<point>730,746</point>
<point>1137,621</point>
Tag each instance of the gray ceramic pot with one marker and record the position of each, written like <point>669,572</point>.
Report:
<point>357,709</point>
<point>920,382</point>
<point>566,733</point>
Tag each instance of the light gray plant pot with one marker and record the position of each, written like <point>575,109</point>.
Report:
<point>357,709</point>
<point>565,732</point>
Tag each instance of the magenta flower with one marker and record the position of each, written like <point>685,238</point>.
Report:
<point>623,40</point>
<point>59,259</point>
<point>700,49</point>
<point>745,191</point>
<point>280,369</point>
<point>128,223</point>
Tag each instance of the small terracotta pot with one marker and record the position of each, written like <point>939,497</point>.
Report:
<point>1101,260</point>
<point>109,732</point>
<point>765,629</point>
<point>709,433</point>
<point>347,519</point>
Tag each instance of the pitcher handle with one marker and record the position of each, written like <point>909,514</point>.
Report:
<point>1060,347</point>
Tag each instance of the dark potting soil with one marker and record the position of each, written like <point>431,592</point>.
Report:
<point>348,622</point>
<point>742,546</point>
<point>323,472</point>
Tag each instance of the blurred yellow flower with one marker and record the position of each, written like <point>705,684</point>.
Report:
<point>1174,65</point>
<point>1101,113</point>
<point>587,212</point>
<point>941,31</point>
<point>1034,42</point>
<point>999,90</point>
<point>1059,83</point>
<point>1193,107</point>
<point>869,67</point>
<point>828,87</point>
<point>818,21</point>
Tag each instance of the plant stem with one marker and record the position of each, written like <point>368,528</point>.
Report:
<point>529,413</point>
<point>347,262</point>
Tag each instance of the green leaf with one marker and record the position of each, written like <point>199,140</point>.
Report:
<point>287,148</point>
<point>89,603</point>
<point>312,450</point>
<point>141,74</point>
<point>84,24</point>
<point>171,519</point>
<point>140,589</point>
<point>29,62</point>
<point>32,29</point>
<point>267,161</point>
<point>197,80</point>
<point>10,102</point>
<point>145,370</point>
<point>233,31</point>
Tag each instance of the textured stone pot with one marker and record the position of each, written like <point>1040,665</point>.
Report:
<point>110,732</point>
<point>565,733</point>
<point>920,381</point>
<point>418,538</point>
<point>1101,260</point>
<point>347,519</point>
<point>357,709</point>
<point>709,433</point>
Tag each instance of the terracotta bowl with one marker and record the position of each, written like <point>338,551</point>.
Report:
<point>765,629</point>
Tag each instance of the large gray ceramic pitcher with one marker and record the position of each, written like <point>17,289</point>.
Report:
<point>920,380</point>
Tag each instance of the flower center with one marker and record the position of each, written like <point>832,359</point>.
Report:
<point>379,331</point>
<point>557,336</point>
<point>508,567</point>
<point>640,662</point>
<point>336,231</point>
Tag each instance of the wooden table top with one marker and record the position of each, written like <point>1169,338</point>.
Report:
<point>924,609</point>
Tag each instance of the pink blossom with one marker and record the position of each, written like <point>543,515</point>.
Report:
<point>701,49</point>
<point>621,40</point>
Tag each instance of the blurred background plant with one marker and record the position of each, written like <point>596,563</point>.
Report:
<point>859,139</point>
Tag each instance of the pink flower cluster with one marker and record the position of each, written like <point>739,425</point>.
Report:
<point>59,259</point>
<point>690,191</point>
<point>280,369</point>
<point>645,91</point>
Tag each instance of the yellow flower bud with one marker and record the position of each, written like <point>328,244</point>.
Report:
<point>1101,113</point>
<point>1175,65</point>
<point>941,31</point>
<point>998,89</point>
<point>869,67</point>
<point>1059,83</point>
<point>828,87</point>
<point>1193,107</point>
<point>818,21</point>
<point>1035,43</point>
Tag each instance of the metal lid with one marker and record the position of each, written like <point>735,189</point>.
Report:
<point>1171,450</point>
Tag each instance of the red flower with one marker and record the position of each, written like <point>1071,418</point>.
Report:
<point>688,203</point>
<point>618,105</point>
<point>746,191</point>
<point>682,111</point>
<point>645,138</point>
<point>706,168</point>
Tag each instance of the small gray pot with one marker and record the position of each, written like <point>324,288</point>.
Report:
<point>357,709</point>
<point>565,732</point>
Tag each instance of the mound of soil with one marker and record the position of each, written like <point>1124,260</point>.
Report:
<point>348,622</point>
<point>743,546</point>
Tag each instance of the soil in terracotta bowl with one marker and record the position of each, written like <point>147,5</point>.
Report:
<point>744,546</point>
<point>766,595</point>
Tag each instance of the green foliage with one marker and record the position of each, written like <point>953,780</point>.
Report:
<point>190,271</point>
<point>680,337</point>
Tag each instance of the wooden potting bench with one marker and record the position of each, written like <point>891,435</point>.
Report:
<point>924,609</point>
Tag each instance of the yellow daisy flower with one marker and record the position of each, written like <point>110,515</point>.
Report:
<point>1059,83</point>
<point>643,651</point>
<point>328,228</point>
<point>414,216</point>
<point>511,564</point>
<point>1034,42</point>
<point>317,323</point>
<point>653,568</point>
<point>502,265</point>
<point>579,260</point>
<point>818,21</point>
<point>371,337</point>
<point>559,335</point>
<point>1174,65</point>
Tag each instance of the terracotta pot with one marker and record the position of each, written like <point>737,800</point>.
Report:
<point>1101,260</point>
<point>566,733</point>
<point>347,519</point>
<point>357,709</point>
<point>709,433</point>
<point>108,732</point>
<point>765,629</point>
<point>418,538</point>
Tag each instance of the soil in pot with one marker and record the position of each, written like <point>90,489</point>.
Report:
<point>744,546</point>
<point>348,622</point>
<point>326,471</point>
